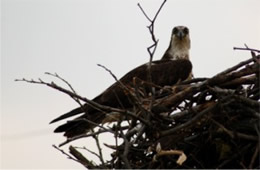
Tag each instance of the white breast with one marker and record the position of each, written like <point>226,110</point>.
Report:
<point>179,53</point>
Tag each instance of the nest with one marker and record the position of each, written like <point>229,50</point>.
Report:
<point>199,123</point>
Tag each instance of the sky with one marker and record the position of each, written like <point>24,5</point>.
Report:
<point>70,37</point>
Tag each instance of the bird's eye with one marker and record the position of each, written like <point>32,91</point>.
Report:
<point>175,31</point>
<point>186,30</point>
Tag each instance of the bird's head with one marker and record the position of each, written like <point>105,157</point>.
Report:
<point>180,33</point>
<point>179,45</point>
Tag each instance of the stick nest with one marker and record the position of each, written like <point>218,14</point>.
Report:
<point>199,123</point>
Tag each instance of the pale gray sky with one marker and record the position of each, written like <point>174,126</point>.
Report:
<point>70,37</point>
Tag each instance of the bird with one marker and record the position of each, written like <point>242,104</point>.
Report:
<point>173,67</point>
<point>179,44</point>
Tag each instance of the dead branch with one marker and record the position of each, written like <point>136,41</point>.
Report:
<point>63,152</point>
<point>80,158</point>
<point>247,49</point>
<point>151,49</point>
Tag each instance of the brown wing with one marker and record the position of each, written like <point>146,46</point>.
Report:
<point>163,72</point>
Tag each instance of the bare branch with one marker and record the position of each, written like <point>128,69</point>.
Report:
<point>99,150</point>
<point>151,49</point>
<point>66,82</point>
<point>126,150</point>
<point>63,152</point>
<point>81,159</point>
<point>247,49</point>
<point>73,95</point>
<point>110,72</point>
<point>144,12</point>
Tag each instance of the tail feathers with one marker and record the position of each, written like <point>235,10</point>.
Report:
<point>73,128</point>
<point>69,114</point>
<point>66,126</point>
<point>79,125</point>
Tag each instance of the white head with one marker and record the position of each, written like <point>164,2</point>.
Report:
<point>180,44</point>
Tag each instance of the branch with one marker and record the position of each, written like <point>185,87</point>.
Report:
<point>151,30</point>
<point>99,149</point>
<point>151,50</point>
<point>188,123</point>
<point>246,49</point>
<point>235,67</point>
<point>89,135</point>
<point>84,148</point>
<point>73,95</point>
<point>110,72</point>
<point>68,84</point>
<point>63,152</point>
<point>81,159</point>
<point>126,150</point>
<point>62,79</point>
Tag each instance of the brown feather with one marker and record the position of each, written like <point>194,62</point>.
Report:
<point>163,72</point>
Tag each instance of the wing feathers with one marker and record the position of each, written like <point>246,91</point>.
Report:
<point>164,72</point>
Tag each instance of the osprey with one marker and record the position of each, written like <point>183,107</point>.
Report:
<point>172,68</point>
<point>179,45</point>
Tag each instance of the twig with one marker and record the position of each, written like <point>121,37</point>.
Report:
<point>140,132</point>
<point>88,135</point>
<point>188,123</point>
<point>99,150</point>
<point>73,95</point>
<point>152,21</point>
<point>110,72</point>
<point>155,41</point>
<point>63,152</point>
<point>246,49</point>
<point>81,159</point>
<point>235,67</point>
<point>62,79</point>
<point>126,150</point>
<point>68,84</point>
<point>144,12</point>
<point>84,148</point>
<point>81,136</point>
<point>195,109</point>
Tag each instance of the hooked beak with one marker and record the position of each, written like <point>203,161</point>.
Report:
<point>180,35</point>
